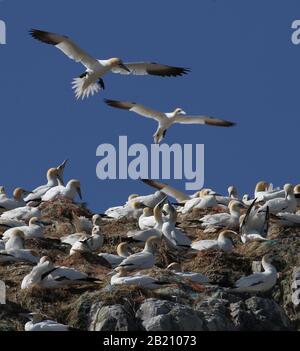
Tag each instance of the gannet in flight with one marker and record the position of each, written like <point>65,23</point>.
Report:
<point>122,253</point>
<point>144,259</point>
<point>258,282</point>
<point>254,224</point>
<point>90,82</point>
<point>166,119</point>
<point>287,204</point>
<point>122,278</point>
<point>16,201</point>
<point>193,276</point>
<point>38,322</point>
<point>35,229</point>
<point>224,242</point>
<point>69,191</point>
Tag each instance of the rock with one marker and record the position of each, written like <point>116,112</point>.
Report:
<point>162,315</point>
<point>110,318</point>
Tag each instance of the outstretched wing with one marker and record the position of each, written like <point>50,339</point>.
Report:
<point>66,45</point>
<point>167,189</point>
<point>183,119</point>
<point>151,68</point>
<point>137,108</point>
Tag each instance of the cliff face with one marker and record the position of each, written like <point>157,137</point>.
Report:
<point>178,305</point>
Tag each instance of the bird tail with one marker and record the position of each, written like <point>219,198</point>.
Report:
<point>85,86</point>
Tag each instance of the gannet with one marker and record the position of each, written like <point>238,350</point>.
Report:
<point>46,275</point>
<point>16,201</point>
<point>264,191</point>
<point>16,240</point>
<point>129,211</point>
<point>146,220</point>
<point>35,229</point>
<point>207,199</point>
<point>287,204</point>
<point>115,260</point>
<point>144,259</point>
<point>232,195</point>
<point>122,278</point>
<point>91,82</point>
<point>53,175</point>
<point>69,191</point>
<point>38,322</point>
<point>83,224</point>
<point>141,236</point>
<point>224,242</point>
<point>254,225</point>
<point>166,119</point>
<point>220,220</point>
<point>16,255</point>
<point>18,215</point>
<point>80,245</point>
<point>173,236</point>
<point>147,200</point>
<point>193,276</point>
<point>288,219</point>
<point>260,281</point>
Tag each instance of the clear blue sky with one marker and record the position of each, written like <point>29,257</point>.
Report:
<point>244,69</point>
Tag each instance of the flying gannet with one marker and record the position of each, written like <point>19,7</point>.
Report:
<point>259,281</point>
<point>91,82</point>
<point>166,120</point>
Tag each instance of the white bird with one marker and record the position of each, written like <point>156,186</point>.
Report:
<point>39,323</point>
<point>16,240</point>
<point>19,215</point>
<point>287,204</point>
<point>174,236</point>
<point>80,245</point>
<point>122,253</point>
<point>259,281</point>
<point>35,229</point>
<point>224,242</point>
<point>264,191</point>
<point>232,195</point>
<point>121,278</point>
<point>88,243</point>
<point>207,199</point>
<point>91,82</point>
<point>16,201</point>
<point>148,200</point>
<point>193,276</point>
<point>69,191</point>
<point>144,259</point>
<point>220,220</point>
<point>288,219</point>
<point>83,224</point>
<point>166,119</point>
<point>53,175</point>
<point>254,224</point>
<point>46,275</point>
<point>147,220</point>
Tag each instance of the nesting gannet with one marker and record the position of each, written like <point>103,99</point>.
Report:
<point>193,276</point>
<point>206,199</point>
<point>254,224</point>
<point>167,119</point>
<point>147,200</point>
<point>264,191</point>
<point>146,220</point>
<point>173,236</point>
<point>95,241</point>
<point>232,195</point>
<point>46,275</point>
<point>224,242</point>
<point>16,201</point>
<point>144,259</point>
<point>80,245</point>
<point>220,220</point>
<point>141,236</point>
<point>122,278</point>
<point>18,215</point>
<point>16,240</point>
<point>69,191</point>
<point>287,204</point>
<point>288,219</point>
<point>260,281</point>
<point>18,255</point>
<point>115,260</point>
<point>53,175</point>
<point>37,322</point>
<point>90,82</point>
<point>35,229</point>
<point>83,224</point>
<point>129,211</point>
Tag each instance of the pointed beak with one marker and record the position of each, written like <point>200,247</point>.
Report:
<point>79,193</point>
<point>62,165</point>
<point>124,67</point>
<point>183,112</point>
